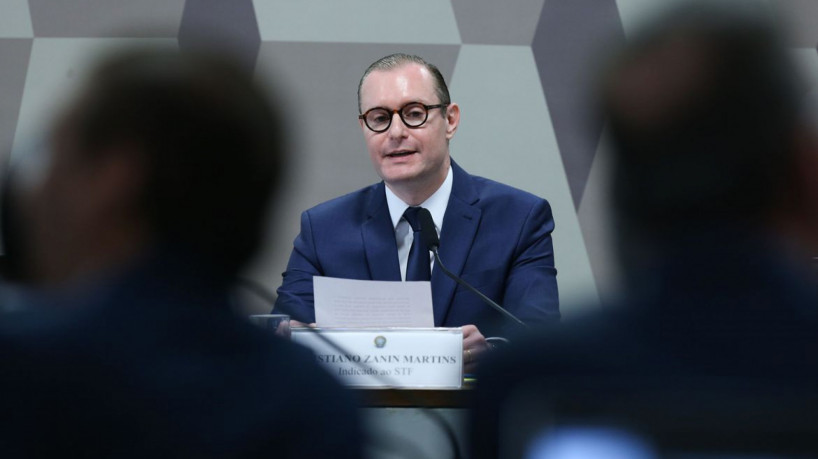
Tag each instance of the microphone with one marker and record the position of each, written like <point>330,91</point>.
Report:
<point>428,233</point>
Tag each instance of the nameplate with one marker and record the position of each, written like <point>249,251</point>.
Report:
<point>407,358</point>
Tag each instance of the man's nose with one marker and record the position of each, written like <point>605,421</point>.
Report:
<point>397,129</point>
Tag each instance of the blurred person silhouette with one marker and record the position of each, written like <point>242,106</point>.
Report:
<point>714,184</point>
<point>149,195</point>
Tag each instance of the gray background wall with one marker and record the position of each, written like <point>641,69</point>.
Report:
<point>518,68</point>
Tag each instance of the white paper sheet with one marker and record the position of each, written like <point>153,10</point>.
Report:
<point>363,303</point>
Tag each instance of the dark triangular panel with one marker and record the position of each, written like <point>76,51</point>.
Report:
<point>571,39</point>
<point>218,25</point>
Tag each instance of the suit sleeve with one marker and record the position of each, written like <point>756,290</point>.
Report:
<point>531,285</point>
<point>295,296</point>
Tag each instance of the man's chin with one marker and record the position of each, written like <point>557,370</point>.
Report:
<point>399,174</point>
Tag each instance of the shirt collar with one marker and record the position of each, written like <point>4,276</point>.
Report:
<point>436,203</point>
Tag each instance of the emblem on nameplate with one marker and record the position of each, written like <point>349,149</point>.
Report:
<point>380,341</point>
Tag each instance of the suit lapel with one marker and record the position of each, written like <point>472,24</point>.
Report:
<point>456,238</point>
<point>379,238</point>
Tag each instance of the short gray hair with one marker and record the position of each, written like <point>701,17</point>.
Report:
<point>397,60</point>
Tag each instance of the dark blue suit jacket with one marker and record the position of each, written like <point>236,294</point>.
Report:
<point>715,348</point>
<point>153,363</point>
<point>496,237</point>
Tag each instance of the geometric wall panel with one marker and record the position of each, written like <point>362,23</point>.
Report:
<point>14,55</point>
<point>571,40</point>
<point>358,21</point>
<point>598,226</point>
<point>15,21</point>
<point>106,18</point>
<point>224,26</point>
<point>495,22</point>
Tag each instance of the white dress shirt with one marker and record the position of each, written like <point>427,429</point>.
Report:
<point>436,204</point>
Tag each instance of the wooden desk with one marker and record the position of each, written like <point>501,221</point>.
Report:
<point>414,398</point>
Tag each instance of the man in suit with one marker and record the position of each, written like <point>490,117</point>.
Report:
<point>151,197</point>
<point>713,348</point>
<point>496,237</point>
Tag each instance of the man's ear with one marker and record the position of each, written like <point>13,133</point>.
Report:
<point>452,120</point>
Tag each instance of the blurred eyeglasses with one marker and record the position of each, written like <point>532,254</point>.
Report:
<point>413,115</point>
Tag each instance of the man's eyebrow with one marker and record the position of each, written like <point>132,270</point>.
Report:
<point>390,109</point>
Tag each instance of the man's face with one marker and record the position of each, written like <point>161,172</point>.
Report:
<point>404,156</point>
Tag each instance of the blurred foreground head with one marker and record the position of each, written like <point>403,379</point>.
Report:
<point>159,148</point>
<point>708,129</point>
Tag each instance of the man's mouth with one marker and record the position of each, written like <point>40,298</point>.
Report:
<point>399,153</point>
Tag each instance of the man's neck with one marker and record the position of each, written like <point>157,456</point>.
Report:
<point>108,251</point>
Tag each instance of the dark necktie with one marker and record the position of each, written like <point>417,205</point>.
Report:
<point>417,267</point>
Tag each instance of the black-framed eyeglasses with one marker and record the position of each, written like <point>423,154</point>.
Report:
<point>413,115</point>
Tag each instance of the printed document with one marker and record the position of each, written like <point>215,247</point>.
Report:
<point>366,303</point>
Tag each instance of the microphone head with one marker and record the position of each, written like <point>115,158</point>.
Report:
<point>427,229</point>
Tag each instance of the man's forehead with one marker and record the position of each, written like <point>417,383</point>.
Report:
<point>410,80</point>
